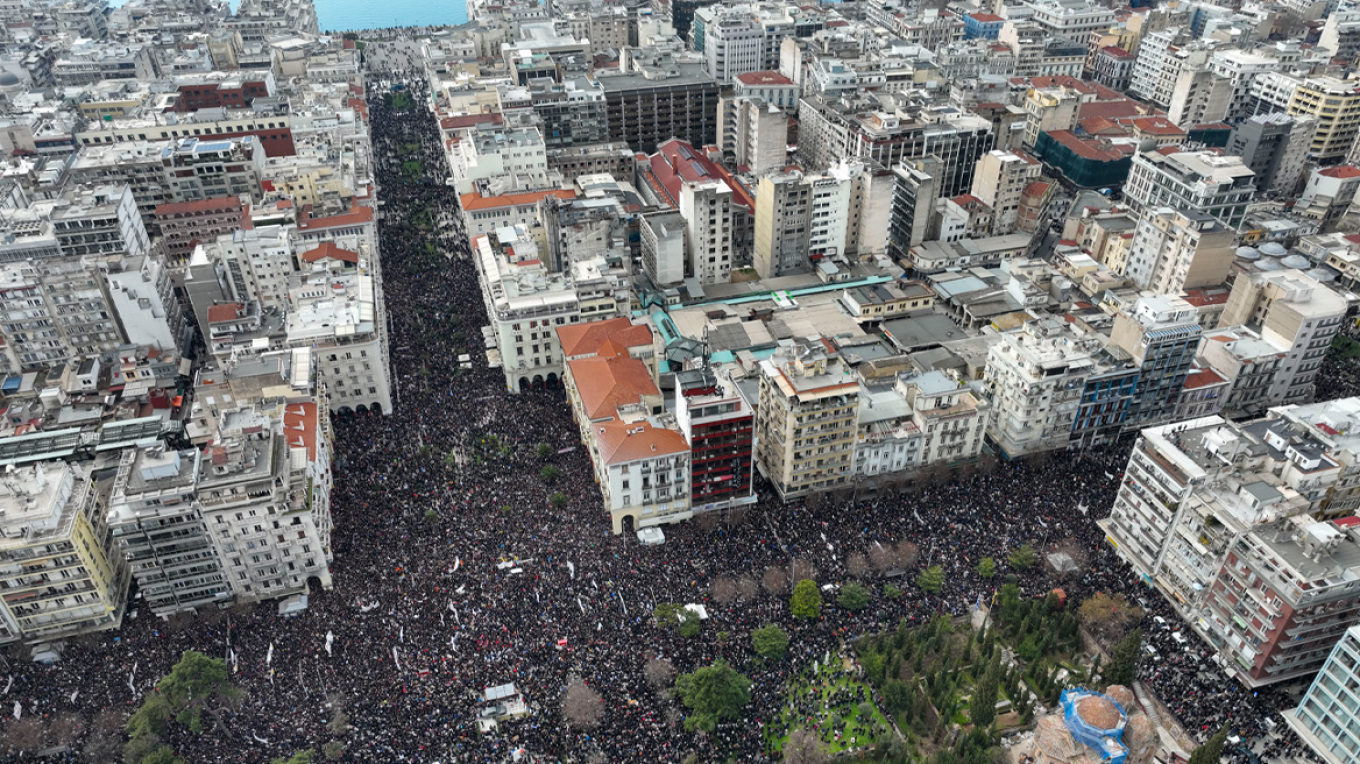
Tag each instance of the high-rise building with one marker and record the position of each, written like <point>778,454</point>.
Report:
<point>54,515</point>
<point>1327,718</point>
<point>656,104</point>
<point>1294,311</point>
<point>1207,181</point>
<point>800,219</point>
<point>1037,376</point>
<point>663,247</point>
<point>1274,146</point>
<point>1161,334</point>
<point>916,187</point>
<point>806,420</point>
<point>1173,251</point>
<point>718,424</point>
<point>1335,104</point>
<point>1000,182</point>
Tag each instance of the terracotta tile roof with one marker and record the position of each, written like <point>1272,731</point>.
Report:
<point>1153,125</point>
<point>475,201</point>
<point>468,120</point>
<point>1115,51</point>
<point>299,426</point>
<point>356,216</point>
<point>588,339</point>
<point>1036,188</point>
<point>763,78</point>
<point>1203,378</point>
<point>1091,148</point>
<point>199,205</point>
<point>621,442</point>
<point>986,18</point>
<point>607,382</point>
<point>329,249</point>
<point>228,311</point>
<point>1341,171</point>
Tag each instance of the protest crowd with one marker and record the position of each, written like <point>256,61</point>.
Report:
<point>431,498</point>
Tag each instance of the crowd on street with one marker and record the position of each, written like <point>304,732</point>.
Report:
<point>432,500</point>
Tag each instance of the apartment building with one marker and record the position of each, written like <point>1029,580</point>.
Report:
<point>1173,251</point>
<point>719,426</point>
<point>1160,334</point>
<point>1036,376</point>
<point>1293,311</point>
<point>1335,104</point>
<point>186,224</point>
<point>1212,183</point>
<point>806,420</point>
<point>1328,716</point>
<point>59,569</point>
<point>1000,182</point>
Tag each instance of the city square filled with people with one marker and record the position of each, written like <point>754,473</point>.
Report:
<point>433,499</point>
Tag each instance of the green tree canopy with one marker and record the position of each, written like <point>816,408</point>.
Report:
<point>544,451</point>
<point>982,707</point>
<point>931,580</point>
<point>1123,665</point>
<point>807,600</point>
<point>1212,750</point>
<point>1023,557</point>
<point>986,568</point>
<point>853,597</point>
<point>770,641</point>
<point>192,684</point>
<point>712,693</point>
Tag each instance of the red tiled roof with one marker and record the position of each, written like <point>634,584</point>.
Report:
<point>475,201</point>
<point>607,382</point>
<point>763,78</point>
<point>963,200</point>
<point>589,338</point>
<point>1091,148</point>
<point>1036,188</point>
<point>1341,171</point>
<point>1153,125</point>
<point>620,442</point>
<point>299,426</point>
<point>329,249</point>
<point>1115,51</point>
<point>468,120</point>
<point>229,311</point>
<point>1203,378</point>
<point>356,215</point>
<point>986,18</point>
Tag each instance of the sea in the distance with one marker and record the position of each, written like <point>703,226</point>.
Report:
<point>344,15</point>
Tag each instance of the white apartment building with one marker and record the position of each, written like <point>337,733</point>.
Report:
<point>1036,376</point>
<point>1076,19</point>
<point>1291,310</point>
<point>58,568</point>
<point>1241,68</point>
<point>260,260</point>
<point>1173,251</point>
<point>1328,716</point>
<point>1000,181</point>
<point>207,169</point>
<point>707,207</point>
<point>525,304</point>
<point>1153,51</point>
<point>332,310</point>
<point>951,418</point>
<point>264,496</point>
<point>142,294</point>
<point>734,44</point>
<point>511,158</point>
<point>1206,181</point>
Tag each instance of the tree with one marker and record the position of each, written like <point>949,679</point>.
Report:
<point>166,755</point>
<point>724,591</point>
<point>891,591</point>
<point>774,580</point>
<point>986,568</point>
<point>193,683</point>
<point>558,499</point>
<point>806,602</point>
<point>857,564</point>
<point>804,747</point>
<point>770,641</point>
<point>931,579</point>
<point>333,750</point>
<point>544,451</point>
<point>712,693</point>
<point>1023,557</point>
<point>853,597</point>
<point>301,757</point>
<point>689,624</point>
<point>658,672</point>
<point>1108,616</point>
<point>667,614</point>
<point>549,474</point>
<point>982,707</point>
<point>582,706</point>
<point>1212,750</point>
<point>1123,665</point>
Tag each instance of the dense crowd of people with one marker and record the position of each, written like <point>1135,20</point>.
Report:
<point>431,501</point>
